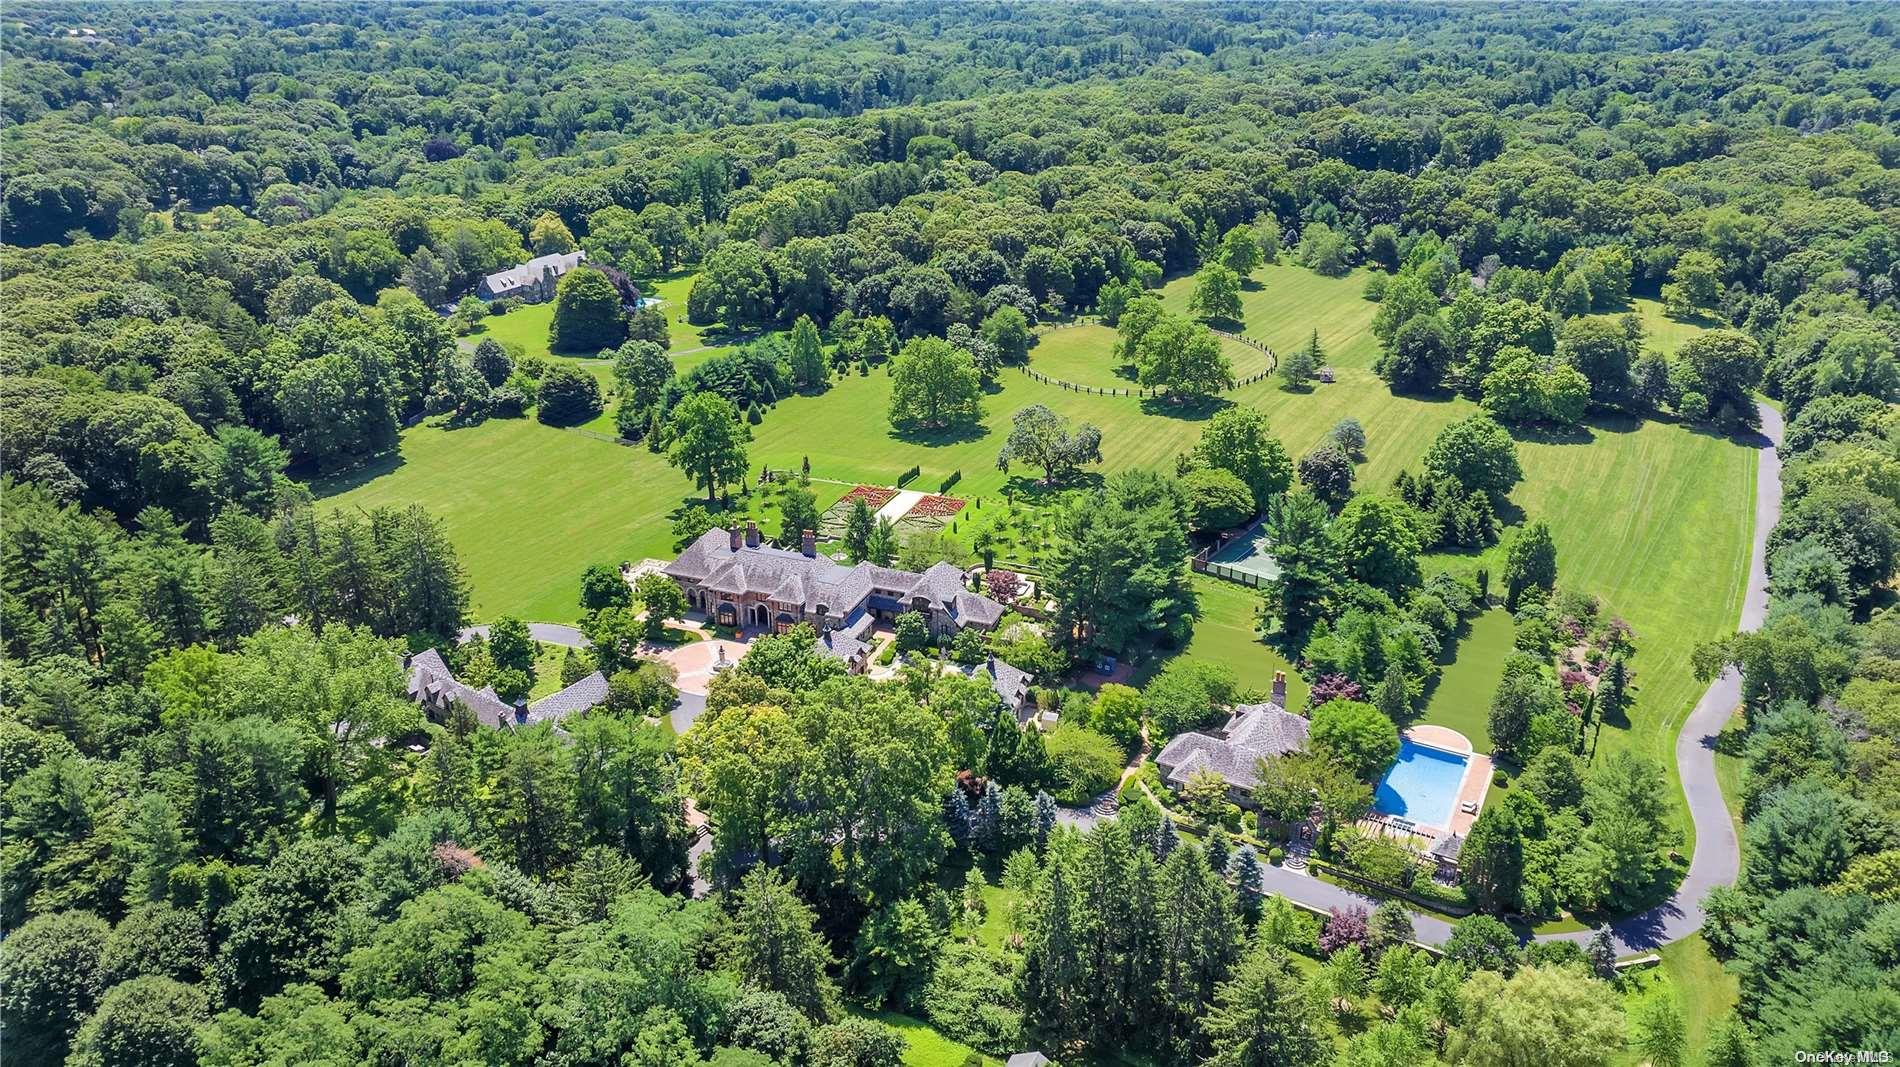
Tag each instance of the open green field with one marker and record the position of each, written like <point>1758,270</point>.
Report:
<point>1661,332</point>
<point>1287,303</point>
<point>1652,517</point>
<point>1085,354</point>
<point>1225,634</point>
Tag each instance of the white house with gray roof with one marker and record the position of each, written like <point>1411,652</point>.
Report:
<point>740,582</point>
<point>1254,732</point>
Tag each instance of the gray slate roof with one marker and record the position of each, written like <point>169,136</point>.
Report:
<point>1011,683</point>
<point>523,274</point>
<point>1255,732</point>
<point>1029,1059</point>
<point>811,581</point>
<point>431,682</point>
<point>586,693</point>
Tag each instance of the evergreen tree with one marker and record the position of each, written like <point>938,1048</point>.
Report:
<point>1390,925</point>
<point>1167,840</point>
<point>1199,941</point>
<point>1602,953</point>
<point>776,948</point>
<point>1393,694</point>
<point>1045,819</point>
<point>956,816</point>
<point>1246,873</point>
<point>1259,1018</point>
<point>1218,848</point>
<point>1055,982</point>
<point>987,819</point>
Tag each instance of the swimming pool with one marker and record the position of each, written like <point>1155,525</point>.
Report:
<point>1422,784</point>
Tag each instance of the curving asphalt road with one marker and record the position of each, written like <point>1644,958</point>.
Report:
<point>1718,856</point>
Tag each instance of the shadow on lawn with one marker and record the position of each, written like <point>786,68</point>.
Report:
<point>1198,410</point>
<point>933,438</point>
<point>360,475</point>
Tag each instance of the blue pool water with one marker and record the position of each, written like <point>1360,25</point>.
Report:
<point>1422,784</point>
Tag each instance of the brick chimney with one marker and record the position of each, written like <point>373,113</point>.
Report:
<point>521,710</point>
<point>751,534</point>
<point>1279,689</point>
<point>736,535</point>
<point>808,544</point>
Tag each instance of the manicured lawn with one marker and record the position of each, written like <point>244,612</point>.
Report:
<point>1704,990</point>
<point>1085,355</point>
<point>924,1045</point>
<point>1287,303</point>
<point>1661,332</point>
<point>1462,697</point>
<point>528,507</point>
<point>547,670</point>
<point>1225,635</point>
<point>525,327</point>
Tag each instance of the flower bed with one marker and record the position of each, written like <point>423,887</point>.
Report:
<point>933,507</point>
<point>874,497</point>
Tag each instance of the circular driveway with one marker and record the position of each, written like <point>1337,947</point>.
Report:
<point>695,661</point>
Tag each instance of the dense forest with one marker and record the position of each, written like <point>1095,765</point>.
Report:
<point>239,248</point>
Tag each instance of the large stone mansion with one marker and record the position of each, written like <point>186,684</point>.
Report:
<point>740,582</point>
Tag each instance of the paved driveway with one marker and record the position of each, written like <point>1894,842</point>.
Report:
<point>548,633</point>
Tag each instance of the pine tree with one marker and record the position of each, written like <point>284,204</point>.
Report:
<point>1033,761</point>
<point>1602,953</point>
<point>1004,755</point>
<point>1045,819</point>
<point>776,947</point>
<point>1246,872</point>
<point>1055,982</point>
<point>1393,695</point>
<point>1259,1019</point>
<point>1167,839</point>
<point>1218,847</point>
<point>956,816</point>
<point>988,817</point>
<point>1390,925</point>
<point>1199,941</point>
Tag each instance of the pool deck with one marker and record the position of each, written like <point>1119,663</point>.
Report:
<point>1477,781</point>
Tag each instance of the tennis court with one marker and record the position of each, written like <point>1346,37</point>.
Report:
<point>1245,558</point>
